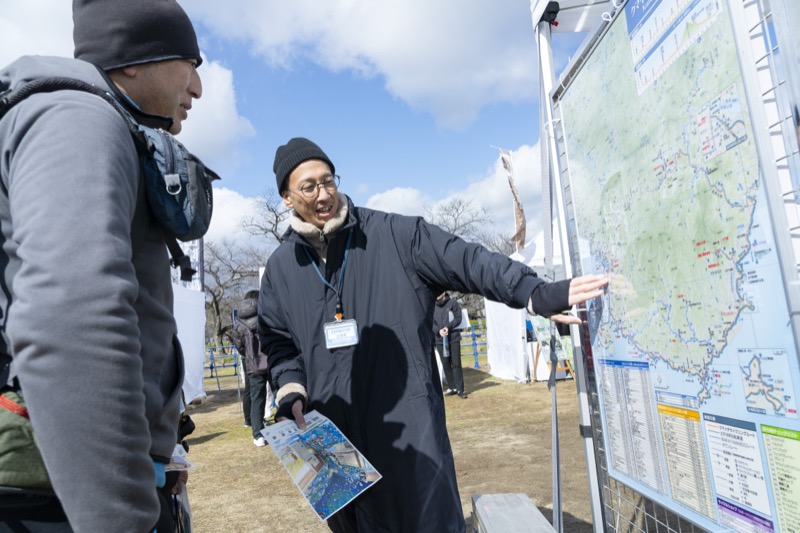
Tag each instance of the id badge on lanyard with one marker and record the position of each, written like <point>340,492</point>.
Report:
<point>341,333</point>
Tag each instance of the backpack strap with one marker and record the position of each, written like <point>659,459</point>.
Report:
<point>10,98</point>
<point>179,259</point>
<point>244,324</point>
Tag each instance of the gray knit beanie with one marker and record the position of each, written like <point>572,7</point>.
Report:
<point>290,155</point>
<point>119,33</point>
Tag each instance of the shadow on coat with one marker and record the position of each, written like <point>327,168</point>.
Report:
<point>395,416</point>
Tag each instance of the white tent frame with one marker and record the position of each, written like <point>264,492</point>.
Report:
<point>573,16</point>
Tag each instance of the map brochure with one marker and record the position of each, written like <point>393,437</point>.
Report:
<point>329,471</point>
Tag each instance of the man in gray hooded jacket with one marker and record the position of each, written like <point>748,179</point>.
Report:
<point>87,333</point>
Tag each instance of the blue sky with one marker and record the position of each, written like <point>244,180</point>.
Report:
<point>407,98</point>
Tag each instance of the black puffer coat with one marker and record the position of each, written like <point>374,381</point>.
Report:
<point>381,392</point>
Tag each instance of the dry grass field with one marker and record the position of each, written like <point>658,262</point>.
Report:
<point>501,438</point>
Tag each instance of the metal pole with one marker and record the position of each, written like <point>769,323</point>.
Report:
<point>551,384</point>
<point>547,80</point>
<point>474,346</point>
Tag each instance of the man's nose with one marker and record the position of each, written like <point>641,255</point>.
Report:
<point>323,192</point>
<point>195,85</point>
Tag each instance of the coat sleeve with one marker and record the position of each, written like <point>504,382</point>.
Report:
<point>72,188</point>
<point>284,360</point>
<point>445,261</point>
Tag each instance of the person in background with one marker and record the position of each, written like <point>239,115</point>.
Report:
<point>345,317</point>
<point>446,318</point>
<point>247,405</point>
<point>257,391</point>
<point>88,340</point>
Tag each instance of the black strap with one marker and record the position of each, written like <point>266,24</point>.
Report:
<point>180,259</point>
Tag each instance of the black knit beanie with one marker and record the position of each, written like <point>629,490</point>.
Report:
<point>119,33</point>
<point>296,151</point>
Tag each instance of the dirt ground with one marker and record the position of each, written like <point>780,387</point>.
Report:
<point>501,438</point>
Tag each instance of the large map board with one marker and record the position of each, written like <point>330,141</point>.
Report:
<point>693,349</point>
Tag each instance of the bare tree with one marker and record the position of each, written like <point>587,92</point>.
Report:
<point>498,242</point>
<point>271,219</point>
<point>230,271</point>
<point>459,217</point>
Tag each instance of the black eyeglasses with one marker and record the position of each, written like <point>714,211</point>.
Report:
<point>311,189</point>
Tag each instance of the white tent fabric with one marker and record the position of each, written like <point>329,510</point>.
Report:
<point>506,345</point>
<point>510,355</point>
<point>190,315</point>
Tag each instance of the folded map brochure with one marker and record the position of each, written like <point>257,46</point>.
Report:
<point>329,471</point>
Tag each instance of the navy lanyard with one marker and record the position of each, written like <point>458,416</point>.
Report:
<point>339,308</point>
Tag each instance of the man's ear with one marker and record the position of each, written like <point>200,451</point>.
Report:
<point>287,200</point>
<point>125,79</point>
<point>130,71</point>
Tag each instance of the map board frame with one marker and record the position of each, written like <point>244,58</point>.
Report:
<point>690,481</point>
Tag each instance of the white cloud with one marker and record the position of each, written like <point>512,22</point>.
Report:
<point>446,57</point>
<point>214,128</point>
<point>230,209</point>
<point>401,200</point>
<point>494,194</point>
<point>35,27</point>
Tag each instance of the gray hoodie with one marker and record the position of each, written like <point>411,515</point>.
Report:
<point>85,315</point>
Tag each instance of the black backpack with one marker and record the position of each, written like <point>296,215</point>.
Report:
<point>254,361</point>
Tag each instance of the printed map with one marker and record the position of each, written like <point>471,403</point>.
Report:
<point>677,196</point>
<point>692,343</point>
<point>324,465</point>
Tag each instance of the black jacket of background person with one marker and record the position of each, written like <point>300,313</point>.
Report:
<point>248,312</point>
<point>382,393</point>
<point>441,319</point>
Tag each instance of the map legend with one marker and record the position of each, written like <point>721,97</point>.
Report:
<point>736,462</point>
<point>783,458</point>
